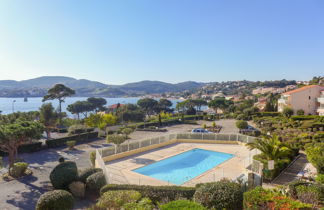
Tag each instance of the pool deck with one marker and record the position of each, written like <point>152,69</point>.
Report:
<point>120,170</point>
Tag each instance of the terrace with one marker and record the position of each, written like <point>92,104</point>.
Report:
<point>119,162</point>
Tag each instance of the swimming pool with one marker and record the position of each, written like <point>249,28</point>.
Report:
<point>181,168</point>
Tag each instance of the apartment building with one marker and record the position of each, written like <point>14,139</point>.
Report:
<point>320,109</point>
<point>306,98</point>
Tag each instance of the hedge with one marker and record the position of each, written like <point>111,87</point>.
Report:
<point>304,117</point>
<point>267,114</point>
<point>155,193</point>
<point>78,138</point>
<point>27,148</point>
<point>172,121</point>
<point>182,205</point>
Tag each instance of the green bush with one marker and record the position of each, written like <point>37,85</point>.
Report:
<point>92,156</point>
<point>63,174</point>
<point>260,198</point>
<point>18,169</point>
<point>182,205</point>
<point>300,112</point>
<point>85,173</point>
<point>95,182</point>
<point>220,195</point>
<point>78,128</point>
<point>155,193</point>
<point>287,112</point>
<point>54,200</point>
<point>71,144</point>
<point>320,178</point>
<point>116,199</point>
<point>143,204</point>
<point>241,124</point>
<point>84,137</point>
<point>308,194</point>
<point>315,155</point>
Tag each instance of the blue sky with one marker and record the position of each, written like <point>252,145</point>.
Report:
<point>124,41</point>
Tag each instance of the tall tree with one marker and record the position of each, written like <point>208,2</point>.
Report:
<point>48,117</point>
<point>59,92</point>
<point>15,134</point>
<point>148,105</point>
<point>97,103</point>
<point>199,103</point>
<point>79,107</point>
<point>101,121</point>
<point>217,103</point>
<point>164,105</point>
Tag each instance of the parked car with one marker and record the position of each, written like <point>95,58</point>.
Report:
<point>200,130</point>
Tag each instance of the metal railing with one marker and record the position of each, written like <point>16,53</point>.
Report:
<point>132,145</point>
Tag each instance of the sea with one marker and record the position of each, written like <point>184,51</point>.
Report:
<point>10,105</point>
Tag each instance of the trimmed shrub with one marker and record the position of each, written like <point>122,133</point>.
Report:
<point>300,112</point>
<point>54,200</point>
<point>241,124</point>
<point>77,189</point>
<point>155,193</point>
<point>143,204</point>
<point>182,205</point>
<point>220,195</point>
<point>85,173</point>
<point>71,144</point>
<point>92,157</point>
<point>260,198</point>
<point>77,129</point>
<point>84,137</point>
<point>116,199</point>
<point>18,169</point>
<point>95,182</point>
<point>63,174</point>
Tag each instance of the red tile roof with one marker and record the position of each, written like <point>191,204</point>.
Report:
<point>114,106</point>
<point>301,89</point>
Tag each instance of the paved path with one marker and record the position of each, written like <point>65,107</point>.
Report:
<point>291,173</point>
<point>24,193</point>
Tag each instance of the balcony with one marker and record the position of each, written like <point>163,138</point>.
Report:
<point>321,99</point>
<point>281,101</point>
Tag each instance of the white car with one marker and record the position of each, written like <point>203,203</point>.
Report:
<point>200,130</point>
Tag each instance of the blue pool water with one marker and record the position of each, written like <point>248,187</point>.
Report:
<point>181,168</point>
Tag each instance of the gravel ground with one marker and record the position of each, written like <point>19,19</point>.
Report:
<point>24,193</point>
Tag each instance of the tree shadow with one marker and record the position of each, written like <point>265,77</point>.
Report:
<point>27,198</point>
<point>142,161</point>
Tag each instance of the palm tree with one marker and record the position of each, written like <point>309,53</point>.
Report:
<point>271,147</point>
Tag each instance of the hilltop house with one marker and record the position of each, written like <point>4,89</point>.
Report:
<point>305,98</point>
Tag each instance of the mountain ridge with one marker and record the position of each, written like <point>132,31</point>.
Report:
<point>37,87</point>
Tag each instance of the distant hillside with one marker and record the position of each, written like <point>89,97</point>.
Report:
<point>38,86</point>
